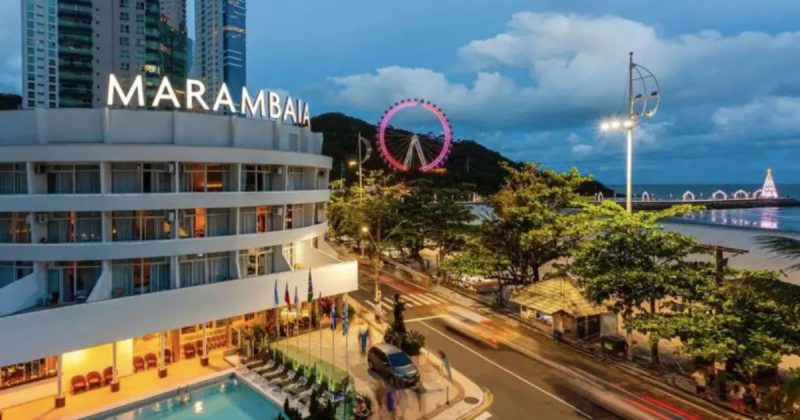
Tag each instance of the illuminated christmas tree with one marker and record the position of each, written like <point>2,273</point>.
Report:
<point>769,190</point>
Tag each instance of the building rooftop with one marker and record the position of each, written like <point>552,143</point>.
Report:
<point>560,294</point>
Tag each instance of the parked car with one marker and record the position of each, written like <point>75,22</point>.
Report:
<point>391,363</point>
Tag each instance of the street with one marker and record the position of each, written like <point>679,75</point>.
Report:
<point>520,383</point>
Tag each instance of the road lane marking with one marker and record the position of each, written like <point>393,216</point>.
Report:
<point>485,415</point>
<point>424,318</point>
<point>438,299</point>
<point>495,364</point>
<point>426,299</point>
<point>416,299</point>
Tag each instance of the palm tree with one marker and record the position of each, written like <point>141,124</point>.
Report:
<point>783,246</point>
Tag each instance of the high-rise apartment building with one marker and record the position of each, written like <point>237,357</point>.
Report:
<point>71,46</point>
<point>220,44</point>
<point>39,53</point>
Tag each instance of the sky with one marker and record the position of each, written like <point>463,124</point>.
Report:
<point>533,79</point>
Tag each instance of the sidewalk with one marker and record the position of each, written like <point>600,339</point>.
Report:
<point>331,351</point>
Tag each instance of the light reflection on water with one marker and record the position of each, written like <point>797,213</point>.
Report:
<point>767,218</point>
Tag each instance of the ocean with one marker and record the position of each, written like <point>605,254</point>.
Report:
<point>767,218</point>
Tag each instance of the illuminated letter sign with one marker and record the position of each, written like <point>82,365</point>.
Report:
<point>265,104</point>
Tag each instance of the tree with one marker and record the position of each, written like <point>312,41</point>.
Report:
<point>632,263</point>
<point>788,248</point>
<point>535,223</point>
<point>433,218</point>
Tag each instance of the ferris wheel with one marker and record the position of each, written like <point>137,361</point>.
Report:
<point>406,151</point>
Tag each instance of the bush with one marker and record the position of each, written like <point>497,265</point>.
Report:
<point>411,342</point>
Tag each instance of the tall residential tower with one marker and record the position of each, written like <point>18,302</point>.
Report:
<point>70,47</point>
<point>220,44</point>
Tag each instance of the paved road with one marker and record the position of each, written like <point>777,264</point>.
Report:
<point>525,386</point>
<point>522,387</point>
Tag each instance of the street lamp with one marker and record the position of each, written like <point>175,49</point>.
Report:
<point>641,104</point>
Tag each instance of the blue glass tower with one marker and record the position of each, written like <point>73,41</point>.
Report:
<point>234,61</point>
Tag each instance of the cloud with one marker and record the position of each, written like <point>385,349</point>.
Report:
<point>575,67</point>
<point>768,117</point>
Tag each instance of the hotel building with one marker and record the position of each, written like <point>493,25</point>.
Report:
<point>131,236</point>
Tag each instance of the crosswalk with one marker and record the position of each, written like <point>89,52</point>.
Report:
<point>412,300</point>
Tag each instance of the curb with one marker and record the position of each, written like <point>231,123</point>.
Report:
<point>488,399</point>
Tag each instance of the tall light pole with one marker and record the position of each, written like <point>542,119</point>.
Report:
<point>644,97</point>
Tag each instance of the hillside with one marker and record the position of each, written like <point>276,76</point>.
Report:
<point>470,167</point>
<point>10,101</point>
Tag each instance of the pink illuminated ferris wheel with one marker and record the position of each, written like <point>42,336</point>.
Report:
<point>406,151</point>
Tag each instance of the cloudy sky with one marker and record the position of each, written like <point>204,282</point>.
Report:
<point>532,78</point>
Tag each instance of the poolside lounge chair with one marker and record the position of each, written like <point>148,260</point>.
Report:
<point>94,379</point>
<point>280,372</point>
<point>78,383</point>
<point>253,363</point>
<point>138,364</point>
<point>298,387</point>
<point>265,367</point>
<point>288,379</point>
<point>188,351</point>
<point>108,375</point>
<point>151,360</point>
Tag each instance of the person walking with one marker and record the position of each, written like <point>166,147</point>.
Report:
<point>699,377</point>
<point>363,338</point>
<point>390,401</point>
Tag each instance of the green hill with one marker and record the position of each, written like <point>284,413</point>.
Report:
<point>470,167</point>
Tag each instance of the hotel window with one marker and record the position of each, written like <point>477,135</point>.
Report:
<point>320,215</point>
<point>198,177</point>
<point>11,271</point>
<point>258,177</point>
<point>141,177</point>
<point>139,275</point>
<point>73,179</point>
<point>217,222</point>
<point>73,227</point>
<point>255,219</point>
<point>23,373</point>
<point>204,268</point>
<point>70,281</point>
<point>13,179</point>
<point>295,181</point>
<point>256,262</point>
<point>192,223</point>
<point>294,216</point>
<point>14,228</point>
<point>143,225</point>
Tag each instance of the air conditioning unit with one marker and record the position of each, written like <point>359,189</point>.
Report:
<point>41,217</point>
<point>171,168</point>
<point>279,211</point>
<point>39,168</point>
<point>171,216</point>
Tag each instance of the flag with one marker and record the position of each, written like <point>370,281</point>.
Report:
<point>310,288</point>
<point>333,317</point>
<point>296,299</point>
<point>277,299</point>
<point>345,319</point>
<point>286,298</point>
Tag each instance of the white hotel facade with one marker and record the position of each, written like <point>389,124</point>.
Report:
<point>127,232</point>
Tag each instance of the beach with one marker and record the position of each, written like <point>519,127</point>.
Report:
<point>742,238</point>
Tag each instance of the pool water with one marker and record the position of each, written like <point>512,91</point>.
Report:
<point>229,400</point>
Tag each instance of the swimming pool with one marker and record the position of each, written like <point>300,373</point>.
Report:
<point>224,398</point>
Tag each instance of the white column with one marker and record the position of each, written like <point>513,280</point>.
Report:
<point>60,367</point>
